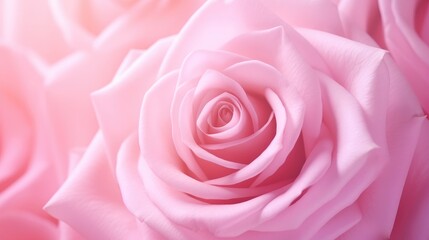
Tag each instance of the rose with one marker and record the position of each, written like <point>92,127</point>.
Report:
<point>255,122</point>
<point>29,174</point>
<point>402,28</point>
<point>101,48</point>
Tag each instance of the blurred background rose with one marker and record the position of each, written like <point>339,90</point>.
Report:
<point>54,54</point>
<point>29,167</point>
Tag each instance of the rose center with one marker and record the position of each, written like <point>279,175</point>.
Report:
<point>224,114</point>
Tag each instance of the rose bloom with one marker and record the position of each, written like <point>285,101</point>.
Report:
<point>28,169</point>
<point>402,27</point>
<point>257,121</point>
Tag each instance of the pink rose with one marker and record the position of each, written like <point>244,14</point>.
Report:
<point>402,27</point>
<point>257,121</point>
<point>29,174</point>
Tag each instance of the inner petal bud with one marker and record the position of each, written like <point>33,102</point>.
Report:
<point>223,119</point>
<point>224,114</point>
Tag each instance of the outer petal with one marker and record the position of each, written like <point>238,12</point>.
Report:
<point>361,19</point>
<point>134,192</point>
<point>90,200</point>
<point>70,83</point>
<point>127,89</point>
<point>409,50</point>
<point>401,121</point>
<point>204,31</point>
<point>24,225</point>
<point>412,218</point>
<point>217,22</point>
<point>324,14</point>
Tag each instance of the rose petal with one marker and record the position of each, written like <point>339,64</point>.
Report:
<point>214,24</point>
<point>133,193</point>
<point>67,96</point>
<point>24,225</point>
<point>408,49</point>
<point>127,89</point>
<point>296,60</point>
<point>414,208</point>
<point>90,199</point>
<point>324,14</point>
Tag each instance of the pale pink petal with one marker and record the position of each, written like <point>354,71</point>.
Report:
<point>27,147</point>
<point>215,23</point>
<point>324,14</point>
<point>127,89</point>
<point>146,22</point>
<point>90,199</point>
<point>412,218</point>
<point>296,60</point>
<point>134,194</point>
<point>70,83</point>
<point>407,47</point>
<point>16,225</point>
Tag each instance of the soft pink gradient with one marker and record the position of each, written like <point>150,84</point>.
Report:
<point>257,121</point>
<point>413,214</point>
<point>30,26</point>
<point>28,169</point>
